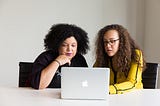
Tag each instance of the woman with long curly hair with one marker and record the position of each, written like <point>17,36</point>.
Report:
<point>116,50</point>
<point>65,45</point>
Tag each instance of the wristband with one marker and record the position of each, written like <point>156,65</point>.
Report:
<point>57,62</point>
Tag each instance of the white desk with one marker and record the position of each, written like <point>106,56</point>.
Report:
<point>14,96</point>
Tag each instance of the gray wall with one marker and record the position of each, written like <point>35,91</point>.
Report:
<point>152,32</point>
<point>24,23</point>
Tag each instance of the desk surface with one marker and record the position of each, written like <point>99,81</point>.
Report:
<point>14,96</point>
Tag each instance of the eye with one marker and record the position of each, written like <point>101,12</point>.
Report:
<point>74,45</point>
<point>64,45</point>
<point>105,42</point>
<point>112,41</point>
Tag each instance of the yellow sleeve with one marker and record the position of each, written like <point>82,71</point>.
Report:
<point>133,81</point>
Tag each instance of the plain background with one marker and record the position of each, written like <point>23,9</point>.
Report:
<point>24,24</point>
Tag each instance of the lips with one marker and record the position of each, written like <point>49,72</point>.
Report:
<point>68,54</point>
<point>109,50</point>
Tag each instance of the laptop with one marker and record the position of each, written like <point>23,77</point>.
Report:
<point>84,83</point>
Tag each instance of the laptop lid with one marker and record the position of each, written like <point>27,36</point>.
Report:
<point>84,83</point>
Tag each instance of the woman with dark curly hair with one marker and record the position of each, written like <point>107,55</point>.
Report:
<point>117,50</point>
<point>65,45</point>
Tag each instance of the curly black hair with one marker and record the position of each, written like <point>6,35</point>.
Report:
<point>59,32</point>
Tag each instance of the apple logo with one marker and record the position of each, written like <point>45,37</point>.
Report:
<point>85,83</point>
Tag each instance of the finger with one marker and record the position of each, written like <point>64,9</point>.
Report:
<point>69,62</point>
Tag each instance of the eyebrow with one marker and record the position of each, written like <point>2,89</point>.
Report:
<point>71,43</point>
<point>110,39</point>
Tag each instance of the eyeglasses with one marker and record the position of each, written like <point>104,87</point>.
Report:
<point>110,42</point>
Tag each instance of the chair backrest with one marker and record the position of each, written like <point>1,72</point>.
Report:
<point>150,76</point>
<point>24,70</point>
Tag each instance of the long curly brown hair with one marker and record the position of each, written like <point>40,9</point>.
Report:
<point>124,55</point>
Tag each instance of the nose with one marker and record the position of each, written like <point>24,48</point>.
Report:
<point>107,45</point>
<point>69,48</point>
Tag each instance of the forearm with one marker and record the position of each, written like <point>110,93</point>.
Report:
<point>124,87</point>
<point>47,74</point>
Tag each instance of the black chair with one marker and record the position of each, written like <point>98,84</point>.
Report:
<point>24,70</point>
<point>150,76</point>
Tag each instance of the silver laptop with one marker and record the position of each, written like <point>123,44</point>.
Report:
<point>84,83</point>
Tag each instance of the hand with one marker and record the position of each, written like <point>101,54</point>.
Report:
<point>63,59</point>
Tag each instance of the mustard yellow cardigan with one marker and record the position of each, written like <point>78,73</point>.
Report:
<point>133,80</point>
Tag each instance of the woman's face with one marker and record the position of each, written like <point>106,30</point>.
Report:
<point>111,42</point>
<point>68,47</point>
